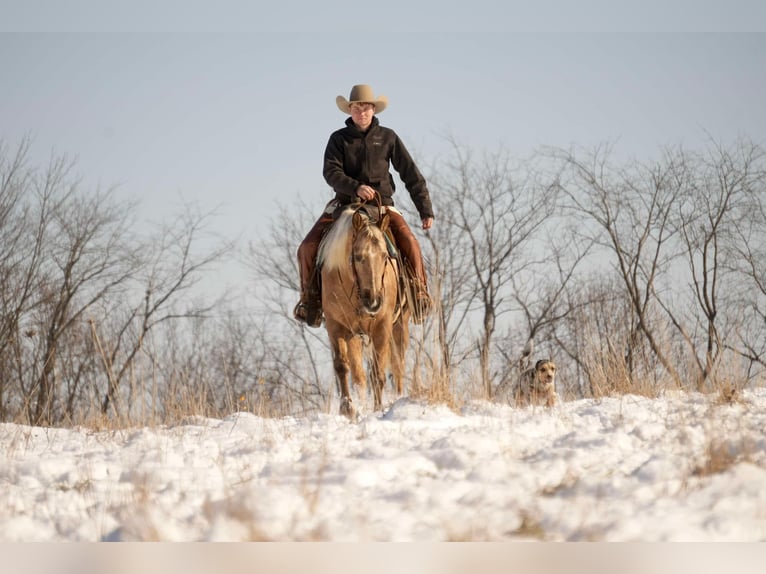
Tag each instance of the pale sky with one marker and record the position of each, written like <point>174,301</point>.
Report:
<point>239,121</point>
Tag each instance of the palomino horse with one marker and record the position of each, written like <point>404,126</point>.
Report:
<point>360,283</point>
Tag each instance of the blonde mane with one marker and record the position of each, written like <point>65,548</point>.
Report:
<point>335,247</point>
<point>333,251</point>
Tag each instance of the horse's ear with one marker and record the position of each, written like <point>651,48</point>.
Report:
<point>384,221</point>
<point>359,220</point>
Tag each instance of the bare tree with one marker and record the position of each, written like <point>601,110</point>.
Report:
<point>168,264</point>
<point>747,259</point>
<point>450,274</point>
<point>542,296</point>
<point>21,257</point>
<point>722,228</point>
<point>498,209</point>
<point>296,353</point>
<point>631,211</point>
<point>61,253</point>
<point>80,288</point>
<point>684,235</point>
<point>89,258</point>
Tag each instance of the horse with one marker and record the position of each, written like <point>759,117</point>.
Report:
<point>361,300</point>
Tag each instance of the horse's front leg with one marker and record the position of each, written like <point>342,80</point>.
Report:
<point>355,354</point>
<point>381,348</point>
<point>400,342</point>
<point>341,366</point>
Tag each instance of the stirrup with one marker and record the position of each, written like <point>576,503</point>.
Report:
<point>309,314</point>
<point>421,307</point>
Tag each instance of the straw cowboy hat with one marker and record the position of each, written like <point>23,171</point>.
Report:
<point>361,93</point>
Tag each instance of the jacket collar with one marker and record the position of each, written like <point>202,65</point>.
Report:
<point>356,131</point>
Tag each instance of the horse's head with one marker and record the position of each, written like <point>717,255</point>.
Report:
<point>369,258</point>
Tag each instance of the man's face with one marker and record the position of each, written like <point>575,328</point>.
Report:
<point>361,114</point>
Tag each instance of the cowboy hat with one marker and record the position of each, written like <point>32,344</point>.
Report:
<point>361,93</point>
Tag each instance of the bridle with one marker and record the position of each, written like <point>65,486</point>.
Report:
<point>355,272</point>
<point>388,258</point>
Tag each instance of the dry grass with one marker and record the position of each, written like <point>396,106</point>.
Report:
<point>530,527</point>
<point>729,393</point>
<point>720,456</point>
<point>568,482</point>
<point>438,392</point>
<point>426,377</point>
<point>148,400</point>
<point>610,376</point>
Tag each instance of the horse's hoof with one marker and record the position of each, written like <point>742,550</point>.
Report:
<point>347,409</point>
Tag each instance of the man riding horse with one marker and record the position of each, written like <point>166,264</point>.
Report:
<point>356,165</point>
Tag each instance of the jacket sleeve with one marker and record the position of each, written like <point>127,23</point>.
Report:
<point>333,171</point>
<point>412,178</point>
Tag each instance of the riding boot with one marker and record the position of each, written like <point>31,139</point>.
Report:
<point>422,305</point>
<point>309,308</point>
<point>410,250</point>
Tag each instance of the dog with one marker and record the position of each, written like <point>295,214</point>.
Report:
<point>537,385</point>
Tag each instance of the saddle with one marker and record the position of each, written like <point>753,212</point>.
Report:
<point>375,213</point>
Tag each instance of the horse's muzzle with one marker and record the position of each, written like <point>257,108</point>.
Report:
<point>371,305</point>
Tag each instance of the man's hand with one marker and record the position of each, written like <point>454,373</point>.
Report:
<point>365,192</point>
<point>428,222</point>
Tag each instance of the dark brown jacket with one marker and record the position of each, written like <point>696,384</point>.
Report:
<point>353,158</point>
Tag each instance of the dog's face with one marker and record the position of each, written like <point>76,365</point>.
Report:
<point>545,373</point>
<point>536,386</point>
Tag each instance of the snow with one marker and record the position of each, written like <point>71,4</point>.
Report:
<point>683,467</point>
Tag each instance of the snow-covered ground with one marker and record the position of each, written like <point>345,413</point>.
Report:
<point>679,468</point>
